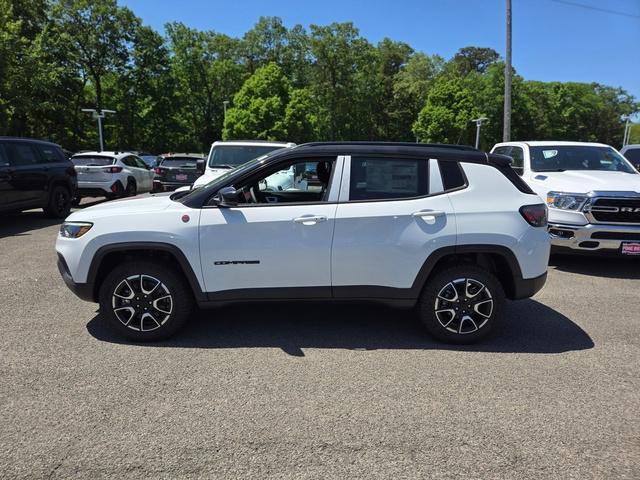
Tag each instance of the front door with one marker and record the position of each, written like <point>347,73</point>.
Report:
<point>276,242</point>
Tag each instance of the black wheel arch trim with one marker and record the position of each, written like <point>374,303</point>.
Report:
<point>504,252</point>
<point>185,266</point>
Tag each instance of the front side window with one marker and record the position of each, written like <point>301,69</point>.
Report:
<point>378,178</point>
<point>300,181</point>
<point>4,159</point>
<point>558,158</point>
<point>633,155</point>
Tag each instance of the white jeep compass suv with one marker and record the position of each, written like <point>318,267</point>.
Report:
<point>448,228</point>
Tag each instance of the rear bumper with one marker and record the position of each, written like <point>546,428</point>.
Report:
<point>528,287</point>
<point>100,189</point>
<point>84,291</point>
<point>597,238</point>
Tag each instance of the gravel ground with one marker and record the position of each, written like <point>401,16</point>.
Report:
<point>317,391</point>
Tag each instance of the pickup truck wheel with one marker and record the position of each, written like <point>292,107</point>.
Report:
<point>461,304</point>
<point>145,301</point>
<point>59,204</point>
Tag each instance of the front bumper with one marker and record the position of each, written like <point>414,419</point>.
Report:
<point>592,237</point>
<point>83,291</point>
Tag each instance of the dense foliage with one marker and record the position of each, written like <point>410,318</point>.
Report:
<point>324,83</point>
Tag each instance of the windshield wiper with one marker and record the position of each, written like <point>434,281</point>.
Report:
<point>552,170</point>
<point>220,166</point>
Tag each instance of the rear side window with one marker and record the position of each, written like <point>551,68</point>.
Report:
<point>51,154</point>
<point>516,154</point>
<point>379,178</point>
<point>452,176</point>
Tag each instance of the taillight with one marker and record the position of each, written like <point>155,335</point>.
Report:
<point>535,215</point>
<point>158,171</point>
<point>112,169</point>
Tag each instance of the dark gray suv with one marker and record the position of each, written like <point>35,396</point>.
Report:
<point>35,174</point>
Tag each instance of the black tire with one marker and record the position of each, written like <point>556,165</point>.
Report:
<point>116,311</point>
<point>476,312</point>
<point>132,189</point>
<point>59,203</point>
<point>75,201</point>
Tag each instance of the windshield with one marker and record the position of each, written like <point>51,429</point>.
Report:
<point>231,156</point>
<point>92,161</point>
<point>558,158</point>
<point>186,162</point>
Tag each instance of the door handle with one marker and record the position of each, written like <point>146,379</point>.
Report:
<point>310,219</point>
<point>428,214</point>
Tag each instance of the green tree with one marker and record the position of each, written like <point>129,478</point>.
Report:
<point>301,117</point>
<point>474,59</point>
<point>260,106</point>
<point>446,116</point>
<point>410,89</point>
<point>207,71</point>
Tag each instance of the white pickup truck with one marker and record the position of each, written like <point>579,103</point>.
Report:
<point>593,193</point>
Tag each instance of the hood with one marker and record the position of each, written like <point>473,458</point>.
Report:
<point>584,181</point>
<point>142,204</point>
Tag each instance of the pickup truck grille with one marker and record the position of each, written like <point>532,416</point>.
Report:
<point>615,210</point>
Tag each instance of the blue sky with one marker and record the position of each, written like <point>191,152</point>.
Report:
<point>552,40</point>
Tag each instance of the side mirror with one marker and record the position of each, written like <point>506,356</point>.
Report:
<point>200,165</point>
<point>227,197</point>
<point>637,165</point>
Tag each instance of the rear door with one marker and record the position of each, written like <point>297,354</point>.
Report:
<point>144,174</point>
<point>392,214</point>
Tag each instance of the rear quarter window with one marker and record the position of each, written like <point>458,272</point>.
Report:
<point>452,176</point>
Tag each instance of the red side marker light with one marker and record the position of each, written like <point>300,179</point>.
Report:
<point>185,218</point>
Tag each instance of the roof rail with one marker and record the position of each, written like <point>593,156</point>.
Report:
<point>392,144</point>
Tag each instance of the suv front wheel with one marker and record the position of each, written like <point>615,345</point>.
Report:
<point>145,301</point>
<point>461,304</point>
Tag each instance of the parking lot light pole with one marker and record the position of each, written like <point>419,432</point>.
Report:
<point>627,131</point>
<point>506,134</point>
<point>478,125</point>
<point>225,103</point>
<point>99,115</point>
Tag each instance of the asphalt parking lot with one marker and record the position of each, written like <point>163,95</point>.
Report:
<point>317,391</point>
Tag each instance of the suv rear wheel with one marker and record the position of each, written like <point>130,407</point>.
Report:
<point>145,301</point>
<point>59,205</point>
<point>461,304</point>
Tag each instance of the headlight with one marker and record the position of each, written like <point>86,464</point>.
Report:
<point>74,229</point>
<point>566,201</point>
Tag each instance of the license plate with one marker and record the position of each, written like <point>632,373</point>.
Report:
<point>629,248</point>
<point>181,176</point>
